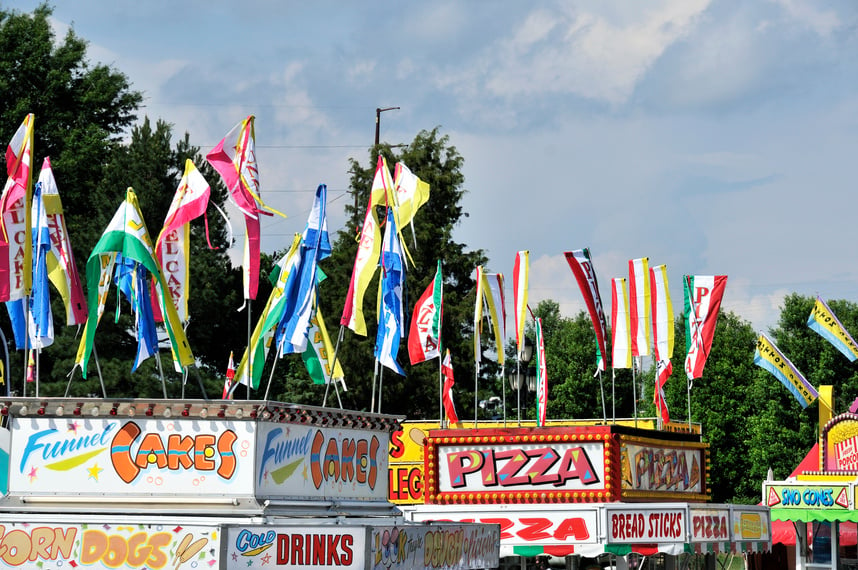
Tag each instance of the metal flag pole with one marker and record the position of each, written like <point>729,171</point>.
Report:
<point>199,379</point>
<point>602,390</point>
<point>6,363</point>
<point>380,383</point>
<point>334,367</point>
<point>635,362</point>
<point>161,373</point>
<point>374,377</point>
<point>503,387</point>
<point>476,389</point>
<point>613,394</point>
<point>518,384</point>
<point>249,306</point>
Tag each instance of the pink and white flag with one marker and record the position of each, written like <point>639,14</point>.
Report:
<point>639,305</point>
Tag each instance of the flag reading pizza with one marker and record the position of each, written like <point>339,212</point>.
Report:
<point>703,294</point>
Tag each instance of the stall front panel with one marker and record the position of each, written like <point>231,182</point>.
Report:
<point>654,469</point>
<point>107,547</point>
<point>294,547</point>
<point>74,456</point>
<point>448,546</point>
<point>308,462</point>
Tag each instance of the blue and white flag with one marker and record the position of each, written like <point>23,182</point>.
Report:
<point>392,291</point>
<point>147,335</point>
<point>41,320</point>
<point>301,286</point>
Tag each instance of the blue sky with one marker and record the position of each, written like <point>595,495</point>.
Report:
<point>717,137</point>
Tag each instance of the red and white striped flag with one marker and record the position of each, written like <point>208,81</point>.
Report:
<point>639,309</point>
<point>621,353</point>
<point>520,275</point>
<point>449,406</point>
<point>662,335</point>
<point>582,267</point>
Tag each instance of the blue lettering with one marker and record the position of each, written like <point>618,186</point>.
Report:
<point>64,447</point>
<point>279,451</point>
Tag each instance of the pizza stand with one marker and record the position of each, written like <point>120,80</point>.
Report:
<point>574,490</point>
<point>821,493</point>
<point>182,484</point>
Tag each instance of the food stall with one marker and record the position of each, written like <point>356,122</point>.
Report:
<point>92,483</point>
<point>820,494</point>
<point>574,490</point>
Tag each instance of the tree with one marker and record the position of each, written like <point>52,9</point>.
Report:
<point>435,161</point>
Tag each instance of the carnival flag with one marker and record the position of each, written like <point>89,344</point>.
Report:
<point>126,234</point>
<point>369,246</point>
<point>230,374</point>
<point>147,335</point>
<point>447,398</point>
<point>621,353</point>
<point>703,294</point>
<point>302,284</point>
<point>639,305</point>
<point>662,334</point>
<point>320,353</point>
<point>15,216</point>
<point>424,337</point>
<point>41,319</point>
<point>582,267</point>
<point>235,160</point>
<point>493,293</point>
<point>541,376</point>
<point>392,291</point>
<point>478,316</point>
<point>769,357</point>
<point>62,269</point>
<point>37,319</point>
<point>664,369</point>
<point>411,193</point>
<point>519,283</point>
<point>823,320</point>
<point>173,245</point>
<point>250,367</point>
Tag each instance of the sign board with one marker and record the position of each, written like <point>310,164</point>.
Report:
<point>648,524</point>
<point>840,444</point>
<point>104,546</point>
<point>449,546</point>
<point>316,462</point>
<point>661,467</point>
<point>293,547</point>
<point>524,525</point>
<point>131,456</point>
<point>835,497</point>
<point>751,523</point>
<point>710,524</point>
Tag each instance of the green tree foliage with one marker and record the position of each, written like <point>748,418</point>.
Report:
<point>432,158</point>
<point>80,110</point>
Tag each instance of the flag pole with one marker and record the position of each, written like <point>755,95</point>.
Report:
<point>38,360</point>
<point>199,379</point>
<point>380,383</point>
<point>6,363</point>
<point>635,363</point>
<point>249,305</point>
<point>602,390</point>
<point>161,373</point>
<point>613,393</point>
<point>334,367</point>
<point>476,388</point>
<point>503,387</point>
<point>374,377</point>
<point>518,383</point>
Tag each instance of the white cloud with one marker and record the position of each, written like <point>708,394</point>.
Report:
<point>822,22</point>
<point>586,53</point>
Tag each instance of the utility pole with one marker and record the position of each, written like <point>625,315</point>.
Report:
<point>378,112</point>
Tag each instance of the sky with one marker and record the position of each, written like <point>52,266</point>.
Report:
<point>715,137</point>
